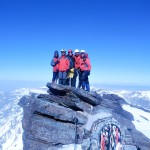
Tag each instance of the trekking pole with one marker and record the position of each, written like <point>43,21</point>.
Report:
<point>76,135</point>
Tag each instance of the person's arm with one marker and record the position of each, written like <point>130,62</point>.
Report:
<point>86,62</point>
<point>52,62</point>
<point>89,64</point>
<point>68,64</point>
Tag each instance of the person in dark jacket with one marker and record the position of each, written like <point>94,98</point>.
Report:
<point>54,64</point>
<point>70,74</point>
<point>63,67</point>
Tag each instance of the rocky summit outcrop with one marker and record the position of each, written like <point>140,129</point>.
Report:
<point>68,115</point>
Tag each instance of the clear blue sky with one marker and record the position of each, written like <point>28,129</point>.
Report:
<point>115,33</point>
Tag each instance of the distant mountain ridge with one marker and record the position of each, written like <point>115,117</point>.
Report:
<point>135,98</point>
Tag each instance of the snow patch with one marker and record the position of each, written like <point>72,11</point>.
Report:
<point>71,147</point>
<point>11,116</point>
<point>39,91</point>
<point>145,94</point>
<point>141,119</point>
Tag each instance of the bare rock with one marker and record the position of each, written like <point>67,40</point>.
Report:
<point>61,117</point>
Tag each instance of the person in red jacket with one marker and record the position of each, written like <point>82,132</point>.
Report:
<point>77,71</point>
<point>63,67</point>
<point>54,64</point>
<point>85,67</point>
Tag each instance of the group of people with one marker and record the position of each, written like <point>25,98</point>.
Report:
<point>68,67</point>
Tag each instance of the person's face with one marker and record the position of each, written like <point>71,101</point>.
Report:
<point>56,54</point>
<point>82,55</point>
<point>77,54</point>
<point>70,53</point>
<point>63,53</point>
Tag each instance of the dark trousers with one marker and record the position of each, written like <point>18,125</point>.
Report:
<point>85,80</point>
<point>62,77</point>
<point>77,72</point>
<point>70,81</point>
<point>55,77</point>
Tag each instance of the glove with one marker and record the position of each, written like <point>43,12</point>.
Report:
<point>72,70</point>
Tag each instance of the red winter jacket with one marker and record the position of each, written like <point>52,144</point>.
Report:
<point>77,61</point>
<point>85,65</point>
<point>63,64</point>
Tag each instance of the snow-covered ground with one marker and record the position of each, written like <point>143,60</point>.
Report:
<point>141,119</point>
<point>71,147</point>
<point>11,116</point>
